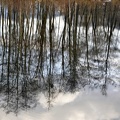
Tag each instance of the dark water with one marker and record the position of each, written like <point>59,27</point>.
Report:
<point>60,64</point>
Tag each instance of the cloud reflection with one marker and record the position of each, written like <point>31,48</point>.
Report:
<point>88,105</point>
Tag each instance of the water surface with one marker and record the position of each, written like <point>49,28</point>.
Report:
<point>59,62</point>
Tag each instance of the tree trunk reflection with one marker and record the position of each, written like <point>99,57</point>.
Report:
<point>51,50</point>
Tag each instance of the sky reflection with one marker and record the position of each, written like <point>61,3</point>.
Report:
<point>86,105</point>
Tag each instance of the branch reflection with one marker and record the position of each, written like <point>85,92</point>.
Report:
<point>45,49</point>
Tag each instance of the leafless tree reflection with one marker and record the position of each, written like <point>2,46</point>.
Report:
<point>46,49</point>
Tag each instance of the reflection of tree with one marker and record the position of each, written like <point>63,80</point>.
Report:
<point>32,50</point>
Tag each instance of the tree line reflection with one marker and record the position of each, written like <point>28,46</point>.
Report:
<point>48,50</point>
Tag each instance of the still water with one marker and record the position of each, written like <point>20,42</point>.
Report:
<point>59,61</point>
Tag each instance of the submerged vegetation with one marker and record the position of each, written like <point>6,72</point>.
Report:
<point>47,47</point>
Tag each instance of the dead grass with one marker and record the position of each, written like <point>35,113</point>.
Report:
<point>61,4</point>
